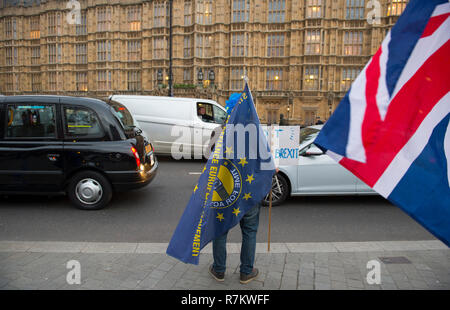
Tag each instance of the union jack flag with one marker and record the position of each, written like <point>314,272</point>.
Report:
<point>392,128</point>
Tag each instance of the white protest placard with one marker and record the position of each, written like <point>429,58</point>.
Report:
<point>284,142</point>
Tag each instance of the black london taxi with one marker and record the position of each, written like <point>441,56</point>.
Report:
<point>84,147</point>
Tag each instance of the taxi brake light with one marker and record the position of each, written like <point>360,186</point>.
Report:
<point>136,156</point>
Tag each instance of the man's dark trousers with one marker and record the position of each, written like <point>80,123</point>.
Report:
<point>249,227</point>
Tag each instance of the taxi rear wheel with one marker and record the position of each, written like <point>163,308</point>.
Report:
<point>89,190</point>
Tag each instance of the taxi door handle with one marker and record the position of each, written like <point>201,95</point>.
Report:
<point>53,157</point>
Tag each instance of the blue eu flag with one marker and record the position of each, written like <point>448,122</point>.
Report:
<point>237,176</point>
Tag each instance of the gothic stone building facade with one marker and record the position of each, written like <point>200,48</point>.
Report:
<point>300,55</point>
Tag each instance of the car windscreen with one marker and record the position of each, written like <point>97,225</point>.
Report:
<point>308,135</point>
<point>122,113</point>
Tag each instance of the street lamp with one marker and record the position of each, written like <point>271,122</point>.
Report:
<point>212,76</point>
<point>200,76</point>
<point>159,76</point>
<point>170,48</point>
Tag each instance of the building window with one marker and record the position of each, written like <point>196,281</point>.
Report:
<point>104,80</point>
<point>134,80</point>
<point>10,28</point>
<point>54,53</point>
<point>12,56</point>
<point>187,49</point>
<point>396,7</point>
<point>35,27</point>
<point>35,55</point>
<point>313,42</point>
<point>81,29</point>
<point>103,19</point>
<point>82,81</point>
<point>314,8</point>
<point>203,12</point>
<point>353,42</point>
<point>277,11</point>
<point>348,76</point>
<point>134,16</point>
<point>310,117</point>
<point>54,23</point>
<point>239,45</point>
<point>187,76</point>
<point>159,48</point>
<point>104,51</point>
<point>9,84</point>
<point>134,50</point>
<point>272,117</point>
<point>160,14</point>
<point>311,78</point>
<point>52,81</point>
<point>81,53</point>
<point>188,13</point>
<point>275,45</point>
<point>274,79</point>
<point>36,85</point>
<point>203,45</point>
<point>241,11</point>
<point>355,9</point>
<point>237,78</point>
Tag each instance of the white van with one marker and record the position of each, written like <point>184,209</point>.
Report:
<point>175,125</point>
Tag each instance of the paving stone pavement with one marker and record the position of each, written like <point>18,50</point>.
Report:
<point>43,266</point>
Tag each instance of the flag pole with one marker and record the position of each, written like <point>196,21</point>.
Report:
<point>270,193</point>
<point>270,217</point>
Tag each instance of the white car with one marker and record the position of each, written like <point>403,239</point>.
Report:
<point>316,174</point>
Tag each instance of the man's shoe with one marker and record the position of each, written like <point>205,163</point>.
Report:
<point>246,278</point>
<point>219,276</point>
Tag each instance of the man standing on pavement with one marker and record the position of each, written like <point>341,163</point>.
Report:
<point>234,181</point>
<point>249,228</point>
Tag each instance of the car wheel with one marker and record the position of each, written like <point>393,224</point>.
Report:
<point>280,191</point>
<point>89,190</point>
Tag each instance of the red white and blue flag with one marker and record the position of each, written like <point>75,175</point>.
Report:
<point>392,128</point>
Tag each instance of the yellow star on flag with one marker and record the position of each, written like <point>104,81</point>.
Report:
<point>243,162</point>
<point>250,179</point>
<point>248,196</point>
<point>220,217</point>
<point>229,151</point>
<point>236,211</point>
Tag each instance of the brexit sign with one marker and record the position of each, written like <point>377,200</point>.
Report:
<point>286,153</point>
<point>284,142</point>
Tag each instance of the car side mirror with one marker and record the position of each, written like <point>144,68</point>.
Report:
<point>313,151</point>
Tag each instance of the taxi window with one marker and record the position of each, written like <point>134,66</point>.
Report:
<point>122,113</point>
<point>30,121</point>
<point>82,122</point>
